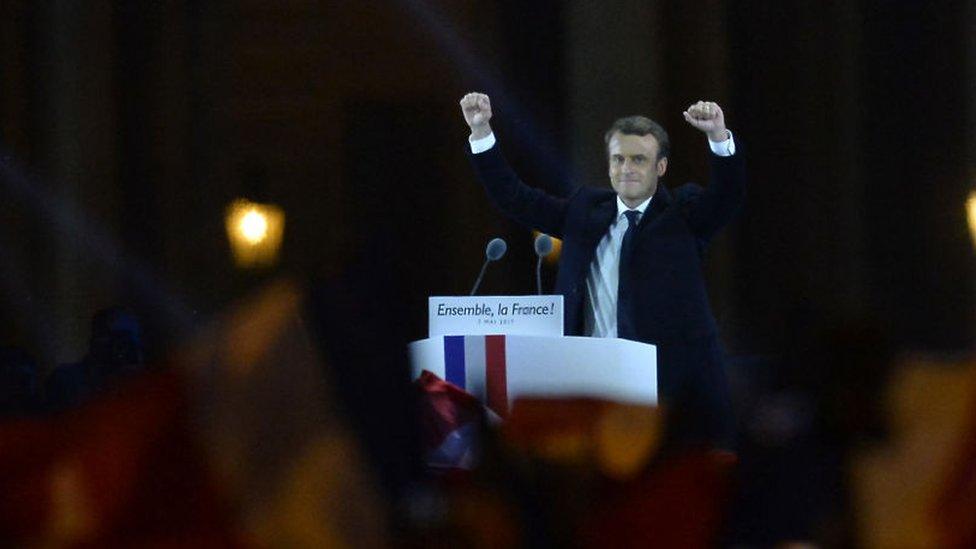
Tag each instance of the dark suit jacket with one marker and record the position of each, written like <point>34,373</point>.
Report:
<point>669,306</point>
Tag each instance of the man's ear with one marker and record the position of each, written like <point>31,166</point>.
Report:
<point>662,166</point>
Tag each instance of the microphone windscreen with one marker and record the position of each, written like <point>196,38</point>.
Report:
<point>543,245</point>
<point>496,249</point>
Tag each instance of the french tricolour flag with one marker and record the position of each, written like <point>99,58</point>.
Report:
<point>477,365</point>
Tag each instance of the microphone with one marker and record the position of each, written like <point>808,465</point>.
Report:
<point>493,252</point>
<point>543,245</point>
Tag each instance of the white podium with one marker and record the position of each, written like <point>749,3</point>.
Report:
<point>499,368</point>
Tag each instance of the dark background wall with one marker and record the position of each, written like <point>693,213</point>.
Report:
<point>127,127</point>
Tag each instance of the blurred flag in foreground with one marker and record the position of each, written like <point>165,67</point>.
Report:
<point>450,419</point>
<point>955,510</point>
<point>275,438</point>
<point>122,471</point>
<point>238,443</point>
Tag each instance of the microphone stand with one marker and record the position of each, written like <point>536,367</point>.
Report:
<point>538,275</point>
<point>480,276</point>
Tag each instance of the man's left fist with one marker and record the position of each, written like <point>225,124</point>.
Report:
<point>709,118</point>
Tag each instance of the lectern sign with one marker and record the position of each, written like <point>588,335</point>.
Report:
<point>539,315</point>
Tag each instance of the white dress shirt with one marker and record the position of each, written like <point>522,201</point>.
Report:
<point>600,314</point>
<point>600,311</point>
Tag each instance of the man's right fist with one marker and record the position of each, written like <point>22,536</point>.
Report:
<point>476,108</point>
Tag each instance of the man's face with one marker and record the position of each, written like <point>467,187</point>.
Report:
<point>634,168</point>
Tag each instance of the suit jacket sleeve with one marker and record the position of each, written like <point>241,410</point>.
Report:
<point>709,209</point>
<point>529,206</point>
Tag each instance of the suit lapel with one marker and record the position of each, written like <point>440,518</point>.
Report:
<point>660,203</point>
<point>599,220</point>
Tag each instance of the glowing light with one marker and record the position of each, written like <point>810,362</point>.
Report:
<point>255,232</point>
<point>971,215</point>
<point>254,226</point>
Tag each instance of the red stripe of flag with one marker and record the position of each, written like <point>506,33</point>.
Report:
<point>496,382</point>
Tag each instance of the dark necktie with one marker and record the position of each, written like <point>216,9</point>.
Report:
<point>625,327</point>
<point>626,247</point>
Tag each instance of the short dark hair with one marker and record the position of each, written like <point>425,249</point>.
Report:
<point>641,125</point>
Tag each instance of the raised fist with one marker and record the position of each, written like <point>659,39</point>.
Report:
<point>476,108</point>
<point>709,118</point>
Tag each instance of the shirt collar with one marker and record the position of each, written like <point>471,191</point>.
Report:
<point>622,208</point>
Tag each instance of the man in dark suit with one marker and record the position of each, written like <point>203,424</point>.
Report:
<point>631,264</point>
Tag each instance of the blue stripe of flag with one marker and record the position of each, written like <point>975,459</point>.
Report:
<point>454,360</point>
